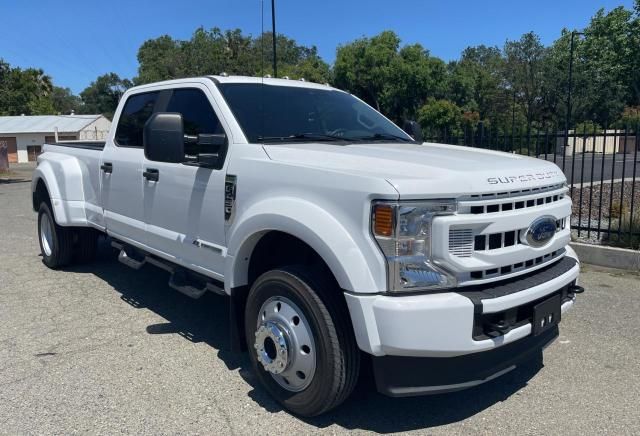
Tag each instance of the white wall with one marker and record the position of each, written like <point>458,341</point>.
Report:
<point>100,127</point>
<point>25,139</point>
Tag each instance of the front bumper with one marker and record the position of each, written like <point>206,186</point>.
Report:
<point>446,324</point>
<point>409,376</point>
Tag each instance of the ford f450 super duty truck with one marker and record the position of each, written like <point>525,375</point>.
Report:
<point>335,234</point>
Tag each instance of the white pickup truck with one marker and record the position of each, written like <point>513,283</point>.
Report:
<point>335,234</point>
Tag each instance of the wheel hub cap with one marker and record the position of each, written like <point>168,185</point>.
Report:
<point>284,344</point>
<point>271,345</point>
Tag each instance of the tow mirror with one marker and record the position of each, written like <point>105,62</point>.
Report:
<point>163,138</point>
<point>212,140</point>
<point>412,128</point>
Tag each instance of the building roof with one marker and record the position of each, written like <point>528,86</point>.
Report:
<point>45,123</point>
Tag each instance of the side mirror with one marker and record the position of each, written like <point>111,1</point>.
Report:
<point>413,129</point>
<point>212,147</point>
<point>212,140</point>
<point>163,138</point>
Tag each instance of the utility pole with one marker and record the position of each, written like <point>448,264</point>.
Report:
<point>567,121</point>
<point>568,117</point>
<point>273,25</point>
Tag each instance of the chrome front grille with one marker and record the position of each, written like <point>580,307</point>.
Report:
<point>463,242</point>
<point>486,239</point>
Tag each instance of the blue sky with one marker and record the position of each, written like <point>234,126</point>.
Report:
<point>74,41</point>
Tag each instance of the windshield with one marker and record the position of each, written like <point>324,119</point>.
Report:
<point>269,113</point>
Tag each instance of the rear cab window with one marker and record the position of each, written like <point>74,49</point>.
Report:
<point>137,110</point>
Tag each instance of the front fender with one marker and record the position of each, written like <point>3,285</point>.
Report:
<point>351,256</point>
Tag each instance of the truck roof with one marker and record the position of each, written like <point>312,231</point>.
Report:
<point>241,79</point>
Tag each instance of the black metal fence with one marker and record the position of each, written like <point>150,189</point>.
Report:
<point>601,166</point>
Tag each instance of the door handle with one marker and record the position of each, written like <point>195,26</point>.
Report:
<point>107,167</point>
<point>151,174</point>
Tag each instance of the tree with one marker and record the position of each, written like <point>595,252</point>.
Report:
<point>477,82</point>
<point>630,118</point>
<point>159,59</point>
<point>25,91</point>
<point>364,66</point>
<point>102,96</point>
<point>607,55</point>
<point>393,80</point>
<point>525,66</point>
<point>440,117</point>
<point>215,51</point>
<point>64,102</point>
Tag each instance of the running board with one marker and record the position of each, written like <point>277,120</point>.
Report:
<point>190,283</point>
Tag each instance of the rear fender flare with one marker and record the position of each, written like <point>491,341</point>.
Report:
<point>63,178</point>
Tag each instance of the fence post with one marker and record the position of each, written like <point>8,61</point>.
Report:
<point>584,136</point>
<point>633,186</point>
<point>604,149</point>
<point>624,164</point>
<point>593,161</point>
<point>613,176</point>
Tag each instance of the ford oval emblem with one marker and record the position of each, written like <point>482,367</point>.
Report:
<point>540,232</point>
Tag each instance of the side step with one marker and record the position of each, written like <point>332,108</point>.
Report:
<point>179,281</point>
<point>190,283</point>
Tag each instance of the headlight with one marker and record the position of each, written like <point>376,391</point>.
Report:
<point>403,232</point>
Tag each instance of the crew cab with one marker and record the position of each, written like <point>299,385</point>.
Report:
<point>335,234</point>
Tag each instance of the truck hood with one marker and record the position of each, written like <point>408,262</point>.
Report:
<point>425,170</point>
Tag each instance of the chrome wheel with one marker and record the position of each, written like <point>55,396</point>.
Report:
<point>46,234</point>
<point>284,344</point>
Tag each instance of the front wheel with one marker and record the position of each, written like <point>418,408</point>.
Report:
<point>300,340</point>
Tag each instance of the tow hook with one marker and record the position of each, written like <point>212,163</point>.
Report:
<point>575,289</point>
<point>502,327</point>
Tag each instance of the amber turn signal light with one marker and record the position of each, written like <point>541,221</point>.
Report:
<point>383,220</point>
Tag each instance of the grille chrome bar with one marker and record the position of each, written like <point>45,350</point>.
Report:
<point>505,270</point>
<point>512,200</point>
<point>461,242</point>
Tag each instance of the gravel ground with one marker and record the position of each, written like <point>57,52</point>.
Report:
<point>102,349</point>
<point>591,197</point>
<point>609,190</point>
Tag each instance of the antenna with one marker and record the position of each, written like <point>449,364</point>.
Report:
<point>262,75</point>
<point>273,25</point>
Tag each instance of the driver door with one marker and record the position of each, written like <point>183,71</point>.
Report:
<point>184,202</point>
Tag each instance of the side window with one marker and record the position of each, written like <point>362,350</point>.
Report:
<point>198,117</point>
<point>135,114</point>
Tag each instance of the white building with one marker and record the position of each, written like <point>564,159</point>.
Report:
<point>24,135</point>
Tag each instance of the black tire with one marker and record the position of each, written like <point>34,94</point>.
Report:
<point>59,247</point>
<point>86,245</point>
<point>337,355</point>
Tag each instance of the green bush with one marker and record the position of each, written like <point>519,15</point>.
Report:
<point>627,225</point>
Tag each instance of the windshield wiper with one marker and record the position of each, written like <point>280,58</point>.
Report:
<point>381,137</point>
<point>303,137</point>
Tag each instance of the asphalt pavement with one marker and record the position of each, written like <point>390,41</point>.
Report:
<point>103,349</point>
